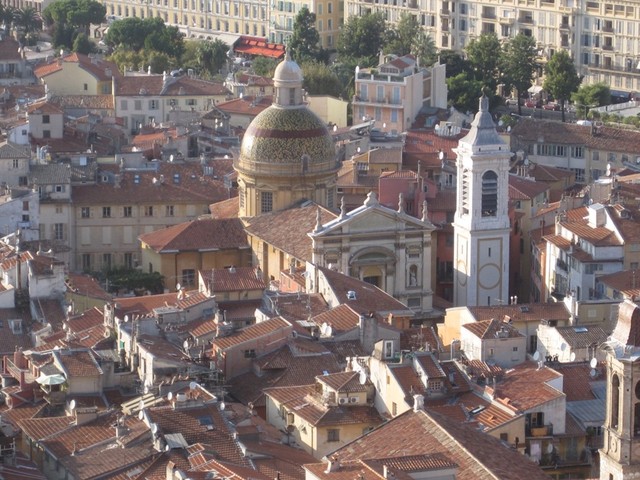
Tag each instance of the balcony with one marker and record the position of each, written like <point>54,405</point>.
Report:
<point>23,375</point>
<point>412,4</point>
<point>564,26</point>
<point>607,47</point>
<point>55,398</point>
<point>607,28</point>
<point>489,15</point>
<point>544,431</point>
<point>562,265</point>
<point>445,12</point>
<point>613,68</point>
<point>507,20</point>
<point>526,20</point>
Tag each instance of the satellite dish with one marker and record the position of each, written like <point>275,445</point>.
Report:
<point>550,448</point>
<point>441,155</point>
<point>572,357</point>
<point>126,318</point>
<point>171,157</point>
<point>593,363</point>
<point>363,377</point>
<point>170,396</point>
<point>193,385</point>
<point>536,356</point>
<point>329,330</point>
<point>142,405</point>
<point>72,405</point>
<point>593,373</point>
<point>185,344</point>
<point>563,347</point>
<point>178,286</point>
<point>222,406</point>
<point>140,415</point>
<point>154,428</point>
<point>509,131</point>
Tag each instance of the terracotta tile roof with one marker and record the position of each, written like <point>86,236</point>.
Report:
<point>626,282</point>
<point>240,310</point>
<point>424,146</point>
<point>287,366</point>
<point>577,383</point>
<point>40,428</point>
<point>247,105</point>
<point>525,387</point>
<point>304,401</point>
<point>256,80</point>
<point>478,456</point>
<point>253,332</point>
<point>492,329</point>
<point>545,173</point>
<point>407,379</point>
<point>154,85</point>
<point>368,297</point>
<point>342,318</point>
<point>86,285</point>
<point>192,424</point>
<point>146,304</point>
<point>21,412</point>
<point>582,336</point>
<point>225,208</point>
<point>78,363</point>
<point>102,70</point>
<point>197,235</point>
<point>343,382</point>
<point>607,138</point>
<point>43,108</point>
<point>9,49</point>
<point>523,312</point>
<point>430,365</point>
<point>523,188</point>
<point>280,459</point>
<point>9,341</point>
<point>490,416</point>
<point>89,102</point>
<point>276,228</point>
<point>233,279</point>
<point>193,187</point>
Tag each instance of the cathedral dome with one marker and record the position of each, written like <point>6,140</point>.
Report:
<point>287,71</point>
<point>288,136</point>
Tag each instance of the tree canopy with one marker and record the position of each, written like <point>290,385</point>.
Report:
<point>484,55</point>
<point>363,38</point>
<point>319,79</point>
<point>464,91</point>
<point>79,14</point>
<point>402,36</point>
<point>518,65</point>
<point>561,78</point>
<point>212,56</point>
<point>305,41</point>
<point>590,96</point>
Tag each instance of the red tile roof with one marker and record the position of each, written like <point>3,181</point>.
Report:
<point>491,328</point>
<point>198,235</point>
<point>78,363</point>
<point>233,279</point>
<point>478,456</point>
<point>523,312</point>
<point>102,70</point>
<point>253,332</point>
<point>155,85</point>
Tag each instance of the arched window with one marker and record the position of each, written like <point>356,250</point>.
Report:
<point>489,194</point>
<point>615,400</point>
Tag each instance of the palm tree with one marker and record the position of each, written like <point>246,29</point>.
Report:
<point>6,16</point>
<point>27,20</point>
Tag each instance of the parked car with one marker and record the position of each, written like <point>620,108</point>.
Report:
<point>512,101</point>
<point>530,103</point>
<point>552,106</point>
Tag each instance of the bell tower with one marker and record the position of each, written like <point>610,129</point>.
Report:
<point>481,223</point>
<point>620,454</point>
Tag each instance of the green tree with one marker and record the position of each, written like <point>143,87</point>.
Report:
<point>305,41</point>
<point>363,37</point>
<point>484,54</point>
<point>127,59</point>
<point>403,35</point>
<point>464,91</point>
<point>27,20</point>
<point>80,14</point>
<point>82,44</point>
<point>424,49</point>
<point>320,80</point>
<point>127,33</point>
<point>590,96</point>
<point>561,78</point>
<point>158,61</point>
<point>519,64</point>
<point>212,56</point>
<point>264,66</point>
<point>6,16</point>
<point>456,63</point>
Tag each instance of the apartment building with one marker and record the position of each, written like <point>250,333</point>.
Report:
<point>206,19</point>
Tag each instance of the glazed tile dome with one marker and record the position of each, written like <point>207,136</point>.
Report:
<point>285,136</point>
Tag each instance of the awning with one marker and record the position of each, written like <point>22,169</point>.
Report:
<point>535,89</point>
<point>259,47</point>
<point>55,379</point>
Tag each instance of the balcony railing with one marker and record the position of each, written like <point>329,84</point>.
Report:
<point>527,20</point>
<point>614,68</point>
<point>18,372</point>
<point>564,26</point>
<point>607,47</point>
<point>489,15</point>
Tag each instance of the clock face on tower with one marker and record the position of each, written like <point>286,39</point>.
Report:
<point>461,266</point>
